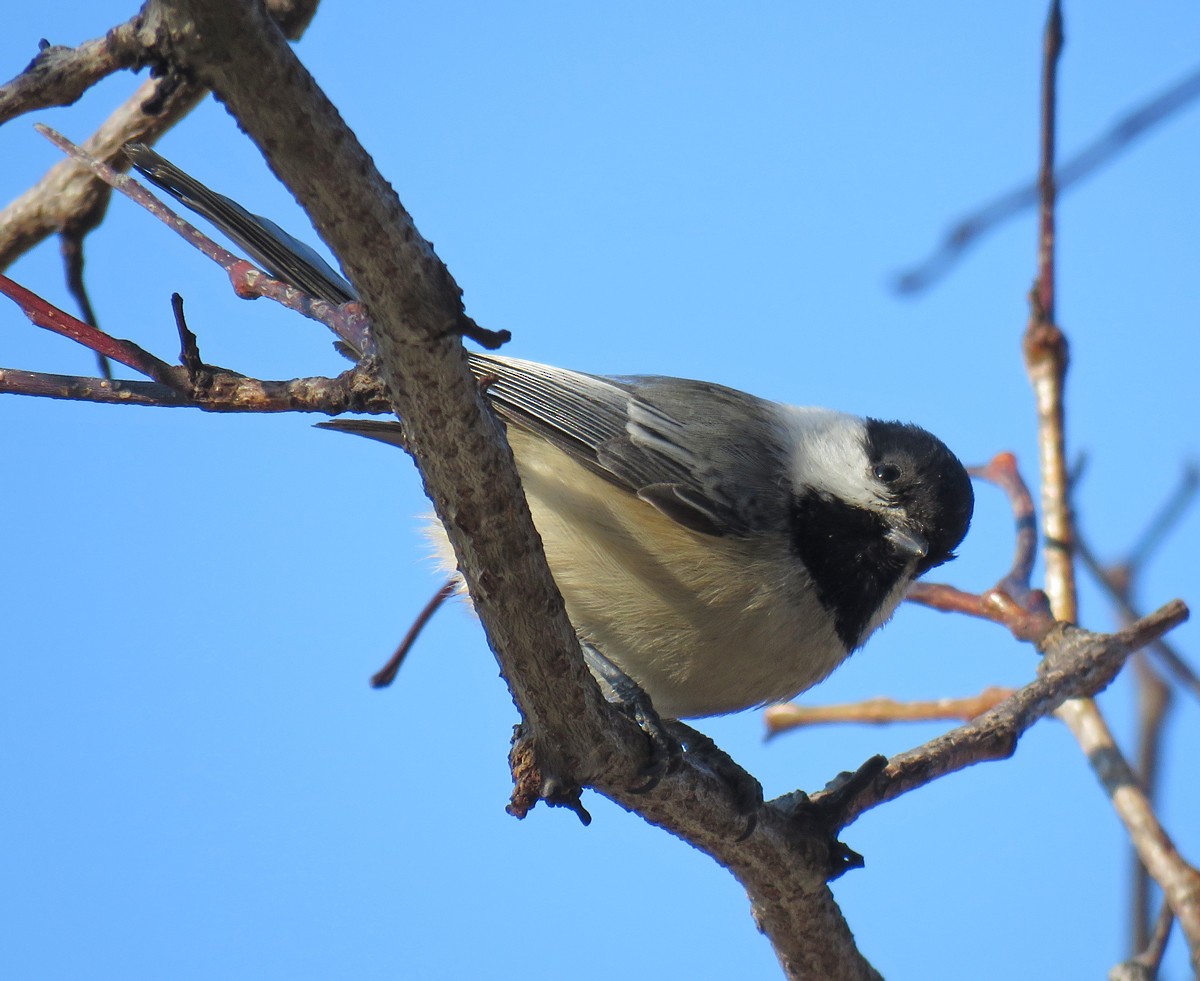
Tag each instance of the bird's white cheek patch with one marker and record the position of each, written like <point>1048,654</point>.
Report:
<point>828,454</point>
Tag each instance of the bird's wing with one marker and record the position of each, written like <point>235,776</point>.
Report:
<point>708,457</point>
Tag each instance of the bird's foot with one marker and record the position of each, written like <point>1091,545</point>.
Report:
<point>669,738</point>
<point>622,691</point>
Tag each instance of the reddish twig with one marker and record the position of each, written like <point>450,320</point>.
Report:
<point>1011,602</point>
<point>43,314</point>
<point>992,604</point>
<point>387,674</point>
<point>212,389</point>
<point>1002,470</point>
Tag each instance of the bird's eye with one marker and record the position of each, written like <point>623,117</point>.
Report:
<point>889,473</point>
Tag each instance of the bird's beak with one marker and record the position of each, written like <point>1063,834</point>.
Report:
<point>908,542</point>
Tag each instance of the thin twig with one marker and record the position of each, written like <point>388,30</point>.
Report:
<point>1047,187</point>
<point>71,249</point>
<point>1076,663</point>
<point>352,391</point>
<point>1164,653</point>
<point>81,388</point>
<point>1045,348</point>
<point>1002,470</point>
<point>1154,702</point>
<point>882,711</point>
<point>387,674</point>
<point>1153,694</point>
<point>1144,966</point>
<point>1164,522</point>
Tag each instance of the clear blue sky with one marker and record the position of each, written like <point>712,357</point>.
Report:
<point>198,781</point>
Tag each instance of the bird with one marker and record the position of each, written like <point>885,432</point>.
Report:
<point>715,550</point>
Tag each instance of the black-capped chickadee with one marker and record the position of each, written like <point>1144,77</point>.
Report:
<point>721,550</point>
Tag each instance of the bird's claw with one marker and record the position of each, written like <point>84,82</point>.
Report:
<point>668,739</point>
<point>666,752</point>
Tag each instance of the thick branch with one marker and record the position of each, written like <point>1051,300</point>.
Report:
<point>416,314</point>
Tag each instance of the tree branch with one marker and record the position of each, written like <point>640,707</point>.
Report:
<point>1046,362</point>
<point>191,384</point>
<point>1075,663</point>
<point>1154,695</point>
<point>881,711</point>
<point>59,75</point>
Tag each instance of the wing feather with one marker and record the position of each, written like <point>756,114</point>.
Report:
<point>708,457</point>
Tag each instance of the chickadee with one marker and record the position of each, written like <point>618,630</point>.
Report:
<point>721,550</point>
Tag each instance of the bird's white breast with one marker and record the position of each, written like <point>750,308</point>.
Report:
<point>705,625</point>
